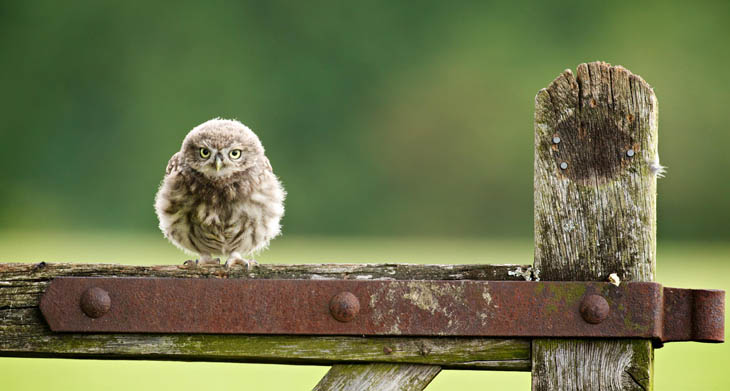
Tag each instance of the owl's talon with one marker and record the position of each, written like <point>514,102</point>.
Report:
<point>203,261</point>
<point>248,263</point>
<point>251,263</point>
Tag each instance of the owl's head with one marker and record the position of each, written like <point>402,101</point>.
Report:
<point>220,148</point>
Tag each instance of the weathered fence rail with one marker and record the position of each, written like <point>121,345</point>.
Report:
<point>596,166</point>
<point>25,333</point>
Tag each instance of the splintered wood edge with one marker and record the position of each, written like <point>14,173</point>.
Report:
<point>24,332</point>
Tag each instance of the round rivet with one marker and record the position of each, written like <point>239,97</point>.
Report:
<point>95,302</point>
<point>563,165</point>
<point>594,309</point>
<point>556,140</point>
<point>630,153</point>
<point>344,306</point>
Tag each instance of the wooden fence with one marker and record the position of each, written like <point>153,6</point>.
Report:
<point>596,167</point>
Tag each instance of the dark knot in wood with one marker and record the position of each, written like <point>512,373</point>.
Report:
<point>594,149</point>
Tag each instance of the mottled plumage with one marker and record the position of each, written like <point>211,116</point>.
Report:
<point>220,195</point>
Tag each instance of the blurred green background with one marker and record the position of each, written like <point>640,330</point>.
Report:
<point>401,130</point>
<point>380,118</point>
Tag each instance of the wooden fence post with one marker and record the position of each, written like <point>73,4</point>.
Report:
<point>596,166</point>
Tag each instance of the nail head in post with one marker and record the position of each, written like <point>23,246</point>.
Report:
<point>563,165</point>
<point>95,302</point>
<point>594,309</point>
<point>556,140</point>
<point>344,306</point>
<point>630,153</point>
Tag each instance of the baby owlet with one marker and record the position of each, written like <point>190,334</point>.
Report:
<point>219,194</point>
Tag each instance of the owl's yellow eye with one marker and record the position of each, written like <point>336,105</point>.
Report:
<point>235,154</point>
<point>204,153</point>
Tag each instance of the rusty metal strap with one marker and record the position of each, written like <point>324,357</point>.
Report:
<point>396,308</point>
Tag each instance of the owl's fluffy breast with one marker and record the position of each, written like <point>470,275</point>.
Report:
<point>236,214</point>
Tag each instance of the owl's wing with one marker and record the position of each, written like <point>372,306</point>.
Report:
<point>174,163</point>
<point>266,164</point>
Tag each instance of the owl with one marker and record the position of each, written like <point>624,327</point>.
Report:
<point>220,196</point>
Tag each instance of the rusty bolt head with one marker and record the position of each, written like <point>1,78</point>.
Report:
<point>95,302</point>
<point>594,309</point>
<point>344,306</point>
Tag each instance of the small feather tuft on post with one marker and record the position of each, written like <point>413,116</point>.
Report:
<point>657,169</point>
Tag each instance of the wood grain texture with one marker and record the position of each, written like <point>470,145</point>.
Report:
<point>592,365</point>
<point>377,377</point>
<point>24,332</point>
<point>595,215</point>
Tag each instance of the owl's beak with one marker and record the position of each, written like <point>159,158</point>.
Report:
<point>218,163</point>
